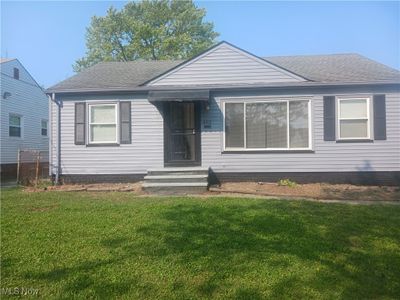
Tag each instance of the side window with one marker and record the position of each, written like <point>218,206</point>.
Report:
<point>15,125</point>
<point>353,118</point>
<point>44,124</point>
<point>103,123</point>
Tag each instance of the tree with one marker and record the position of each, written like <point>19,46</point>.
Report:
<point>149,30</point>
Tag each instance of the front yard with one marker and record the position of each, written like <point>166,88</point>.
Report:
<point>117,245</point>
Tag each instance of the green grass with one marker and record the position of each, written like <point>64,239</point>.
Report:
<point>115,245</point>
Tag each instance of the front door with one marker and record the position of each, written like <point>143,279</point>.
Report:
<point>182,134</point>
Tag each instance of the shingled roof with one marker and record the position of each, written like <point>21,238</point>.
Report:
<point>115,75</point>
<point>337,68</point>
<point>330,69</point>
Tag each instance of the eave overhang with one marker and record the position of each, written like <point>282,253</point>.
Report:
<point>218,88</point>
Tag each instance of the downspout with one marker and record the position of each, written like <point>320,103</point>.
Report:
<point>58,140</point>
<point>50,135</point>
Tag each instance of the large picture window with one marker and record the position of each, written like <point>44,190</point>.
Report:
<point>267,125</point>
<point>353,118</point>
<point>103,123</point>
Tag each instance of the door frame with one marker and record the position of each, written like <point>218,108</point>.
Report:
<point>197,149</point>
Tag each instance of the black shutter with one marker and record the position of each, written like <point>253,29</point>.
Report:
<point>80,123</point>
<point>329,118</point>
<point>125,122</point>
<point>379,117</point>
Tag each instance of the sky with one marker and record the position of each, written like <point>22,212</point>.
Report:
<point>47,37</point>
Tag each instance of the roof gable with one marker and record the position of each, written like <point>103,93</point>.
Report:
<point>7,68</point>
<point>225,64</point>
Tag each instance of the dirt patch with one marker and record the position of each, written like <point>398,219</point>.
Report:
<point>314,190</point>
<point>96,187</point>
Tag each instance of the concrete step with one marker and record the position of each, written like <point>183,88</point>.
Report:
<point>172,188</point>
<point>173,184</point>
<point>176,178</point>
<point>187,180</point>
<point>178,171</point>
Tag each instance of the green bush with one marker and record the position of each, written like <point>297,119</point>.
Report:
<point>287,182</point>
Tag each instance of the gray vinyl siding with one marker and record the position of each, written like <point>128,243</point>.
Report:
<point>328,156</point>
<point>225,65</point>
<point>27,100</point>
<point>145,151</point>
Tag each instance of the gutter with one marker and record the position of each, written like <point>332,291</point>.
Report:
<point>216,88</point>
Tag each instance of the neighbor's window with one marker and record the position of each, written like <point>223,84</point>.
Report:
<point>44,127</point>
<point>103,123</point>
<point>15,125</point>
<point>16,73</point>
<point>267,125</point>
<point>353,118</point>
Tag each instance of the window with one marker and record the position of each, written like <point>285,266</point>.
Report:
<point>234,126</point>
<point>267,125</point>
<point>103,123</point>
<point>16,73</point>
<point>15,125</point>
<point>353,118</point>
<point>44,127</point>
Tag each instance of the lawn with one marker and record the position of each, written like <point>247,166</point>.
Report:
<point>115,245</point>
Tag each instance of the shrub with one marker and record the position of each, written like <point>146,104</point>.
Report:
<point>287,182</point>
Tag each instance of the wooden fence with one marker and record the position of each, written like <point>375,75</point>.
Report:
<point>33,165</point>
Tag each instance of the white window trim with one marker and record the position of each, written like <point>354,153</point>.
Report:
<point>245,101</point>
<point>89,122</point>
<point>339,118</point>
<point>47,128</point>
<point>21,126</point>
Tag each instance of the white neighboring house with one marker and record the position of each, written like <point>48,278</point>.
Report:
<point>24,115</point>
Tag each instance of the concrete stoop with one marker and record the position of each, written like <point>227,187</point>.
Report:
<point>171,181</point>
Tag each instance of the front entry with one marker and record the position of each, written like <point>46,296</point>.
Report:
<point>182,134</point>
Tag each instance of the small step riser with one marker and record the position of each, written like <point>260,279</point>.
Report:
<point>183,180</point>
<point>175,190</point>
<point>166,173</point>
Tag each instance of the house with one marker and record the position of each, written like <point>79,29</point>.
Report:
<point>24,116</point>
<point>333,118</point>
